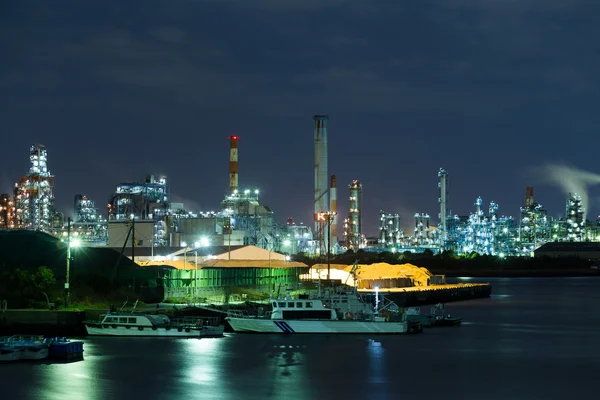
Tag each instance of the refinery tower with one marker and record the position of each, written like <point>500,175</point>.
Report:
<point>34,194</point>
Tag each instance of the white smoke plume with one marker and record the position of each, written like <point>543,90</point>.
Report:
<point>569,179</point>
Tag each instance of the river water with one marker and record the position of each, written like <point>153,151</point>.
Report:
<point>533,339</point>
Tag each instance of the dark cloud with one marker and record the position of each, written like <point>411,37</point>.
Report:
<point>484,88</point>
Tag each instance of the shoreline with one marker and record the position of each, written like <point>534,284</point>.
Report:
<point>529,273</point>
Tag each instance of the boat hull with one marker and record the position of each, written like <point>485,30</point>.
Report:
<point>209,331</point>
<point>10,354</point>
<point>247,325</point>
<point>35,353</point>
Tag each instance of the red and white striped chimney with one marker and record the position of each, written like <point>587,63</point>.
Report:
<point>233,164</point>
<point>333,208</point>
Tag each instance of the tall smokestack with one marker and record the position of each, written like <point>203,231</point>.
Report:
<point>321,199</point>
<point>444,211</point>
<point>233,164</point>
<point>333,208</point>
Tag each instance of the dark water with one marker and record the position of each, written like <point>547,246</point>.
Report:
<point>534,339</point>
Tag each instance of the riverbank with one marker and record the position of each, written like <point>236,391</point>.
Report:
<point>525,273</point>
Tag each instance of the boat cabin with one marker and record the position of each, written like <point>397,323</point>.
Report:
<point>301,308</point>
<point>134,320</point>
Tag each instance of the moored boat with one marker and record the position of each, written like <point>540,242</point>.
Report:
<point>437,316</point>
<point>24,347</point>
<point>37,347</point>
<point>128,324</point>
<point>336,312</point>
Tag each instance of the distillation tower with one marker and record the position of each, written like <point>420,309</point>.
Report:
<point>353,224</point>
<point>390,234</point>
<point>533,224</point>
<point>575,218</point>
<point>422,230</point>
<point>34,193</point>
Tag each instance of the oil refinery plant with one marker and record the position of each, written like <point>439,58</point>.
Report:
<point>242,219</point>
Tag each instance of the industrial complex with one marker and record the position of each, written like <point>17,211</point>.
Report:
<point>143,216</point>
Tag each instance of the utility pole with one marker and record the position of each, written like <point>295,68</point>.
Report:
<point>68,277</point>
<point>329,217</point>
<point>133,243</point>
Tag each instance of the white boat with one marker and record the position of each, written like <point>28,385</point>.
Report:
<point>336,312</point>
<point>128,324</point>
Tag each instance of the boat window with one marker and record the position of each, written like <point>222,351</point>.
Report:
<point>123,320</point>
<point>299,304</point>
<point>282,304</point>
<point>109,319</point>
<point>291,304</point>
<point>308,304</point>
<point>274,304</point>
<point>132,320</point>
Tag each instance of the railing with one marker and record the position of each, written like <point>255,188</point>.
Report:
<point>238,314</point>
<point>195,322</point>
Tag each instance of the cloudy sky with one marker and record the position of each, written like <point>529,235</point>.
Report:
<point>487,89</point>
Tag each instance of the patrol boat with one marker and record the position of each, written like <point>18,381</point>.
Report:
<point>337,311</point>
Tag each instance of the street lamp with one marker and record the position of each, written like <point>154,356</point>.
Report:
<point>70,243</point>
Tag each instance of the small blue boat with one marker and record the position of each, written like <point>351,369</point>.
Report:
<point>36,347</point>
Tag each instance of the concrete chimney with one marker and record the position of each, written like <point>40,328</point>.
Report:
<point>321,197</point>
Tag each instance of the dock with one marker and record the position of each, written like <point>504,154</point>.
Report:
<point>433,294</point>
<point>47,322</point>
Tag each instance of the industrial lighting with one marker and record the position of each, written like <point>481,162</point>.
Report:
<point>287,242</point>
<point>75,243</point>
<point>204,242</point>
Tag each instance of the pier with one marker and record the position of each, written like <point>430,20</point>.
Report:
<point>433,294</point>
<point>46,322</point>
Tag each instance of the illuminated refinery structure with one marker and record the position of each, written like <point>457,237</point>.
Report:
<point>88,222</point>
<point>149,204</point>
<point>575,222</point>
<point>423,235</point>
<point>140,200</point>
<point>353,224</point>
<point>242,216</point>
<point>7,211</point>
<point>34,193</point>
<point>390,233</point>
<point>534,224</point>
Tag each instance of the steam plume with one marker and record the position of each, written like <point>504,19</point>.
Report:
<point>569,179</point>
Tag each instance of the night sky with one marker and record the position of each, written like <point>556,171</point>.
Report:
<point>488,89</point>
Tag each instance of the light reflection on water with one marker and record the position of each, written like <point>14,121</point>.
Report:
<point>521,344</point>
